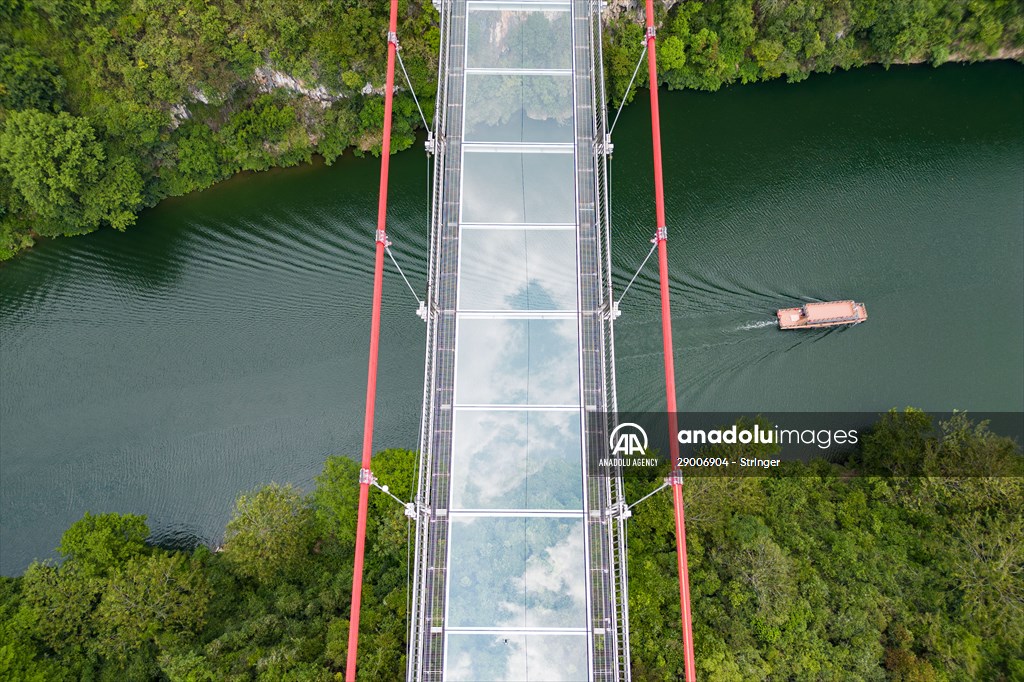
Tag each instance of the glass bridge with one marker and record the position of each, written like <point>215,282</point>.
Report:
<point>520,568</point>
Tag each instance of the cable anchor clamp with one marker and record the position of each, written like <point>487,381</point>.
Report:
<point>661,235</point>
<point>675,478</point>
<point>366,477</point>
<point>650,34</point>
<point>382,237</point>
<point>616,313</point>
<point>393,38</point>
<point>619,510</point>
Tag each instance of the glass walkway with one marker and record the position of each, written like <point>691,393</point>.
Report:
<point>518,572</point>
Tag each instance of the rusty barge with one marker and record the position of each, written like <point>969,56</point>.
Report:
<point>819,315</point>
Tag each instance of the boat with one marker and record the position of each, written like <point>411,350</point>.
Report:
<point>824,314</point>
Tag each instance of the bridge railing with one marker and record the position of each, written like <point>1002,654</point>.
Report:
<point>608,574</point>
<point>602,181</point>
<point>425,657</point>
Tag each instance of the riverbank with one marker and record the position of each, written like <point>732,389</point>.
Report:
<point>135,105</point>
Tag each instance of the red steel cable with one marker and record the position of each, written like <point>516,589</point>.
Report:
<point>670,372</point>
<point>371,379</point>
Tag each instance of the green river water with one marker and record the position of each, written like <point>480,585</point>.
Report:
<point>221,343</point>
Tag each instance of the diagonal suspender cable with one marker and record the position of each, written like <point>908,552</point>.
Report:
<point>412,91</point>
<point>625,95</point>
<point>365,477</point>
<point>402,273</point>
<point>670,372</point>
<point>654,245</point>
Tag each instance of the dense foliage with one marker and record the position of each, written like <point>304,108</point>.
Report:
<point>815,574</point>
<point>809,574</point>
<point>705,44</point>
<point>273,605</point>
<point>112,105</point>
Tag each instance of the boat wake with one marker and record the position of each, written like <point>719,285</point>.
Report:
<point>757,325</point>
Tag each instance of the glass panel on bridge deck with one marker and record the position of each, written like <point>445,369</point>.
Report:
<point>518,187</point>
<point>518,108</point>
<point>509,269</point>
<point>516,572</point>
<point>528,35</point>
<point>508,459</point>
<point>514,657</point>
<point>517,362</point>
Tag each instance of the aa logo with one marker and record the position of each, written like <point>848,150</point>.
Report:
<point>628,440</point>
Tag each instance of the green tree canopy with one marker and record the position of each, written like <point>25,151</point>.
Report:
<point>271,533</point>
<point>149,600</point>
<point>97,543</point>
<point>60,170</point>
<point>52,160</point>
<point>28,80</point>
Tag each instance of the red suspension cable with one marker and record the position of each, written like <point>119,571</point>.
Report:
<point>371,380</point>
<point>670,372</point>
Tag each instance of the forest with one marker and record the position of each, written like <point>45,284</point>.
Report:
<point>886,568</point>
<point>109,106</point>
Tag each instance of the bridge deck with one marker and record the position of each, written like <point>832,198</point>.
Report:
<point>518,571</point>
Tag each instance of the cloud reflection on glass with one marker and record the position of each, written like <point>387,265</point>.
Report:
<point>517,460</point>
<point>518,187</point>
<point>510,269</point>
<point>516,572</point>
<point>517,658</point>
<point>517,362</point>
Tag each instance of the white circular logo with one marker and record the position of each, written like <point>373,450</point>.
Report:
<point>628,439</point>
